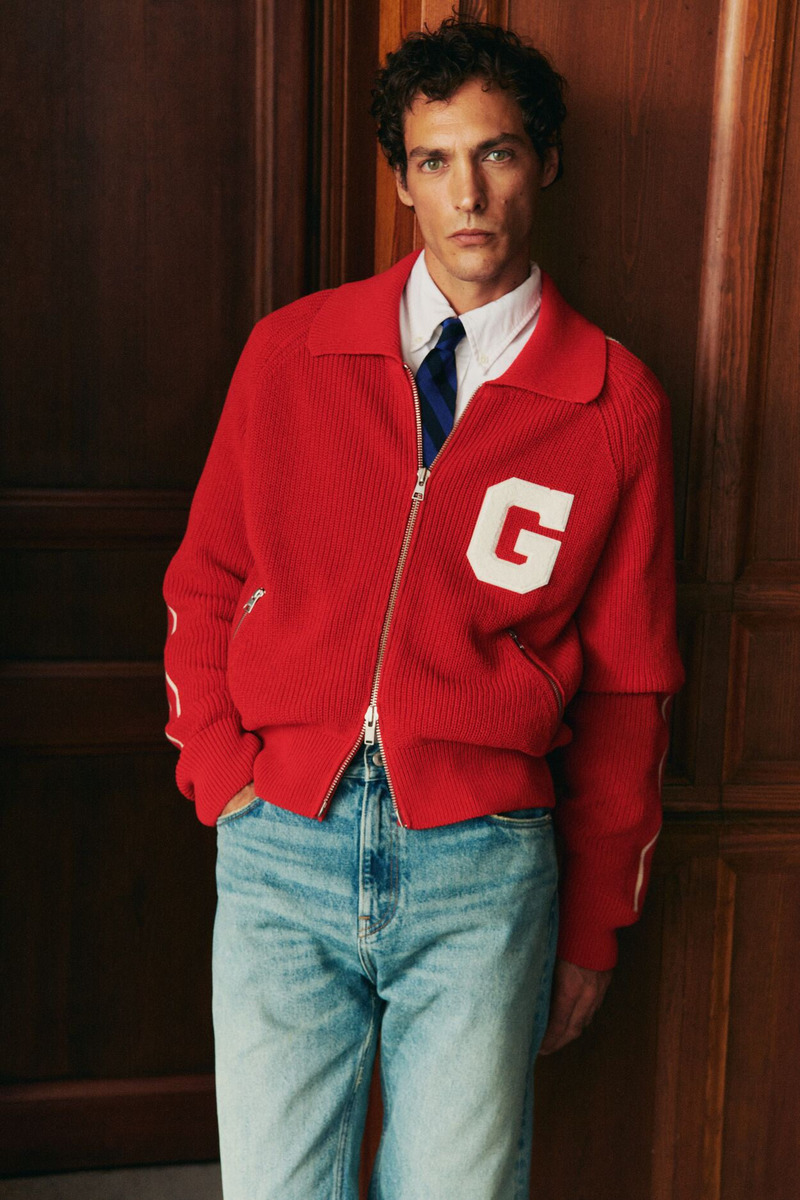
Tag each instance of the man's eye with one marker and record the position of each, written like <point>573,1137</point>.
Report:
<point>431,164</point>
<point>493,155</point>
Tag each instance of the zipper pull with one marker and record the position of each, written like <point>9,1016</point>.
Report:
<point>254,599</point>
<point>422,479</point>
<point>370,724</point>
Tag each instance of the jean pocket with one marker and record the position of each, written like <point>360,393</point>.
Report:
<point>230,817</point>
<point>524,816</point>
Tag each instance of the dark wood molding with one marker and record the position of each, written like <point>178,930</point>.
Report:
<point>83,1123</point>
<point>69,519</point>
<point>84,707</point>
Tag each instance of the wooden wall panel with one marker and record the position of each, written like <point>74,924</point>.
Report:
<point>128,236</point>
<point>107,961</point>
<point>763,737</point>
<point>156,181</point>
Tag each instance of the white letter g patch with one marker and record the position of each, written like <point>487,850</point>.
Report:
<point>528,563</point>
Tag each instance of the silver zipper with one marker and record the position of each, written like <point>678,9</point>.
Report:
<point>249,606</point>
<point>370,732</point>
<point>512,633</point>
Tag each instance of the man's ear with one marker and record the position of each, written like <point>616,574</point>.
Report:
<point>403,193</point>
<point>549,166</point>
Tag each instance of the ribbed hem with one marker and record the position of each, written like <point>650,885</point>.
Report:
<point>215,765</point>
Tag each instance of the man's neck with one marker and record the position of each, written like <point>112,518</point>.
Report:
<point>463,295</point>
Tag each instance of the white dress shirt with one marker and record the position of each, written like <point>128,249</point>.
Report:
<point>495,332</point>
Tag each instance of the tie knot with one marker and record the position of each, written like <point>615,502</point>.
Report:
<point>452,333</point>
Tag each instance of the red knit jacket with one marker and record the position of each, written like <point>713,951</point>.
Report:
<point>516,597</point>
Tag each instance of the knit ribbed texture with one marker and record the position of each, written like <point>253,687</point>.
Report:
<point>305,498</point>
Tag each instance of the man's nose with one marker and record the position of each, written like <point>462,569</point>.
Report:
<point>466,181</point>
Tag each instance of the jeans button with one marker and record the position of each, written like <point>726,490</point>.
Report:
<point>377,758</point>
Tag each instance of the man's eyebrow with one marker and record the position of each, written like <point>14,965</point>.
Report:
<point>426,152</point>
<point>489,144</point>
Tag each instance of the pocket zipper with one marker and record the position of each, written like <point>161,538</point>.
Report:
<point>248,608</point>
<point>559,698</point>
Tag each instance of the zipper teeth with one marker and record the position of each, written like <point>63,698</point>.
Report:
<point>512,633</point>
<point>398,572</point>
<point>412,516</point>
<point>417,415</point>
<point>335,782</point>
<point>389,783</point>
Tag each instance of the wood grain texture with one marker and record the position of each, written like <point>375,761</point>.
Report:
<point>76,519</point>
<point>106,962</point>
<point>75,707</point>
<point>285,202</point>
<point>71,1125</point>
<point>126,181</point>
<point>345,146</point>
<point>762,735</point>
<point>737,164</point>
<point>761,1152</point>
<point>772,511</point>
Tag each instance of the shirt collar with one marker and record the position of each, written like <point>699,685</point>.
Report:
<point>490,329</point>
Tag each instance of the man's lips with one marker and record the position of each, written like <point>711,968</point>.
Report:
<point>471,237</point>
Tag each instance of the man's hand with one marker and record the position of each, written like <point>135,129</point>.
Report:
<point>240,800</point>
<point>577,994</point>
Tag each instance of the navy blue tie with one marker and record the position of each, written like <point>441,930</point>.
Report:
<point>437,386</point>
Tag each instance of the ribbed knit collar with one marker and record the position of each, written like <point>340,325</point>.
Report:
<point>564,358</point>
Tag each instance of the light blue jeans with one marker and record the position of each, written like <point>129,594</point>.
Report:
<point>329,933</point>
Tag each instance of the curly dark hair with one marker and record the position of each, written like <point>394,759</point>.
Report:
<point>437,63</point>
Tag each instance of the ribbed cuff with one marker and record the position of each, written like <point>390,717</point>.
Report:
<point>215,765</point>
<point>585,936</point>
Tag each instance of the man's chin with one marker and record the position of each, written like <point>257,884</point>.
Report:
<point>474,265</point>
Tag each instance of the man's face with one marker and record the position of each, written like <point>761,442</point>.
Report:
<point>473,178</point>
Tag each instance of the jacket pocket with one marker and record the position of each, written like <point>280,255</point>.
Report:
<point>247,608</point>
<point>529,656</point>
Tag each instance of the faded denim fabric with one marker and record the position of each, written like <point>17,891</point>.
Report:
<point>329,933</point>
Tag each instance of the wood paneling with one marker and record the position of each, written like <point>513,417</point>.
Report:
<point>279,81</point>
<point>345,148</point>
<point>61,519</point>
<point>763,736</point>
<point>156,182</point>
<point>72,707</point>
<point>56,1126</point>
<point>127,244</point>
<point>683,1086</point>
<point>105,921</point>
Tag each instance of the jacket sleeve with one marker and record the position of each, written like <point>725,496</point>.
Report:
<point>610,815</point>
<point>202,589</point>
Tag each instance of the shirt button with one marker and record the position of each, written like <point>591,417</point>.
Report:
<point>483,360</point>
<point>377,758</point>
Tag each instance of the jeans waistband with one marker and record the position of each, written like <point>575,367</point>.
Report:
<point>366,765</point>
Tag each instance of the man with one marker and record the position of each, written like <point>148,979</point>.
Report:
<point>432,543</point>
